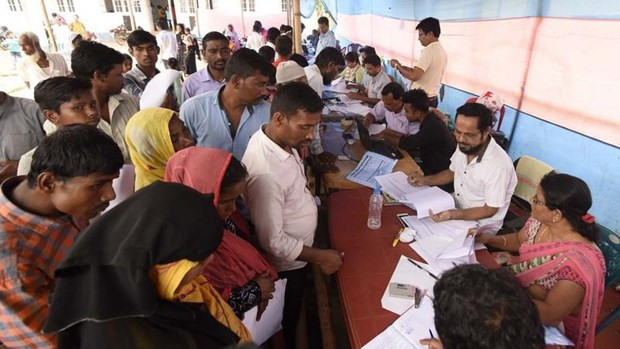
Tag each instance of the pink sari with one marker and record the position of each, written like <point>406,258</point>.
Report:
<point>584,260</point>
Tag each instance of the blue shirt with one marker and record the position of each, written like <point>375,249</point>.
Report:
<point>206,119</point>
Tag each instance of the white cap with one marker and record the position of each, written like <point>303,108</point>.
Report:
<point>155,91</point>
<point>288,71</point>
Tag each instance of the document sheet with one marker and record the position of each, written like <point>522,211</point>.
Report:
<point>370,166</point>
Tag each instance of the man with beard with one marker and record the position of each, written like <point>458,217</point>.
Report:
<point>38,65</point>
<point>483,174</point>
<point>143,47</point>
<point>226,118</point>
<point>325,68</point>
<point>216,51</point>
<point>282,208</point>
<point>103,66</point>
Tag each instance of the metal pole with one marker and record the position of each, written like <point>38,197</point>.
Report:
<point>132,19</point>
<point>297,26</point>
<point>48,26</point>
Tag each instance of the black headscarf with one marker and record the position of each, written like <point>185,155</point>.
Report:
<point>105,277</point>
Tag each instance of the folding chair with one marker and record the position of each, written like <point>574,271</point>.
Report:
<point>609,243</point>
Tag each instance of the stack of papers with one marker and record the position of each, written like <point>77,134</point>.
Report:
<point>426,227</point>
<point>443,253</point>
<point>370,166</point>
<point>407,273</point>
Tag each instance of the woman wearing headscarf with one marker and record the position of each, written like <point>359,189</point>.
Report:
<point>238,271</point>
<point>153,135</point>
<point>128,281</point>
<point>559,262</point>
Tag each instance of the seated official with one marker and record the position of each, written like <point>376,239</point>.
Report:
<point>228,117</point>
<point>133,279</point>
<point>374,82</point>
<point>238,271</point>
<point>153,136</point>
<point>41,215</point>
<point>483,174</point>
<point>434,140</point>
<point>559,262</point>
<point>390,109</point>
<point>484,309</point>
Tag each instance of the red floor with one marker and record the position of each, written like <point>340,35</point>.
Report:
<point>610,336</point>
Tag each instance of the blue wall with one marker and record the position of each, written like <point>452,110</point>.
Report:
<point>597,163</point>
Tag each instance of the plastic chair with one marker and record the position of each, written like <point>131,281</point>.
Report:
<point>609,243</point>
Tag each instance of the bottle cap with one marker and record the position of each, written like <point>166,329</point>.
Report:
<point>377,190</point>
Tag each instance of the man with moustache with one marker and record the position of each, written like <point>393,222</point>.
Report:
<point>143,47</point>
<point>282,208</point>
<point>216,51</point>
<point>483,174</point>
<point>326,67</point>
<point>226,118</point>
<point>38,65</point>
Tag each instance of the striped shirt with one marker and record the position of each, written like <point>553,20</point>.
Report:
<point>31,248</point>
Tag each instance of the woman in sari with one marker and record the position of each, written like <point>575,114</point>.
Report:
<point>238,271</point>
<point>153,135</point>
<point>130,279</point>
<point>559,263</point>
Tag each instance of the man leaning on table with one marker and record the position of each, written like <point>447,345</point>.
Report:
<point>282,208</point>
<point>483,174</point>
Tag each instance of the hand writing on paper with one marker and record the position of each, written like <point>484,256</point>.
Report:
<point>417,178</point>
<point>441,216</point>
<point>330,261</point>
<point>266,285</point>
<point>432,343</point>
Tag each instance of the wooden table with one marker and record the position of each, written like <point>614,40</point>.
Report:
<point>334,143</point>
<point>369,261</point>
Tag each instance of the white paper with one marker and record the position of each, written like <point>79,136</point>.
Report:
<point>426,227</point>
<point>407,273</point>
<point>337,86</point>
<point>271,320</point>
<point>432,198</point>
<point>396,185</point>
<point>443,253</point>
<point>376,128</point>
<point>123,185</point>
<point>554,336</point>
<point>370,166</point>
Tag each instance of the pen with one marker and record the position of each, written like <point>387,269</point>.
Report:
<point>417,298</point>
<point>419,266</point>
<point>431,332</point>
<point>395,242</point>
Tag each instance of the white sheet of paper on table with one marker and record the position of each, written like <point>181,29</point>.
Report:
<point>376,128</point>
<point>426,227</point>
<point>395,185</point>
<point>442,253</point>
<point>271,320</point>
<point>407,273</point>
<point>432,198</point>
<point>370,166</point>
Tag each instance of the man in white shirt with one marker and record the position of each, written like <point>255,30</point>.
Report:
<point>167,42</point>
<point>255,41</point>
<point>326,67</point>
<point>38,65</point>
<point>391,109</point>
<point>282,208</point>
<point>431,66</point>
<point>483,174</point>
<point>374,81</point>
<point>326,36</point>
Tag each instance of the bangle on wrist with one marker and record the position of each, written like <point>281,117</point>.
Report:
<point>504,239</point>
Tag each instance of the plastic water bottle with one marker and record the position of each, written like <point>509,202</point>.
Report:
<point>375,207</point>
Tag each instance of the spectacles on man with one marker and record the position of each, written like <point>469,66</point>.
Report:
<point>465,135</point>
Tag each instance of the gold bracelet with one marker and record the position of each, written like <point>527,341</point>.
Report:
<point>504,238</point>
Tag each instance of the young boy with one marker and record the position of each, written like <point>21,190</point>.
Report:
<point>63,101</point>
<point>40,217</point>
<point>353,73</point>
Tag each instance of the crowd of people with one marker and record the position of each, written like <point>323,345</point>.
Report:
<point>175,264</point>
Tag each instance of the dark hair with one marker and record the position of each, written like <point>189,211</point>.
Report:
<point>268,53</point>
<point>273,33</point>
<point>295,96</point>
<point>77,38</point>
<point>428,25</point>
<point>73,151</point>
<point>235,173</point>
<point>163,24</point>
<point>140,37</point>
<point>352,57</point>
<point>213,36</point>
<point>368,50</point>
<point>395,89</point>
<point>323,20</point>
<point>257,26</point>
<point>299,59</point>
<point>476,110</point>
<point>418,99</point>
<point>481,308</point>
<point>182,26</point>
<point>245,63</point>
<point>373,60</point>
<point>328,55</point>
<point>89,57</point>
<point>127,58</point>
<point>572,197</point>
<point>284,45</point>
<point>51,93</point>
<point>173,63</point>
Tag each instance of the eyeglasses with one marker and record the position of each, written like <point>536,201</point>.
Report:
<point>538,202</point>
<point>465,135</point>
